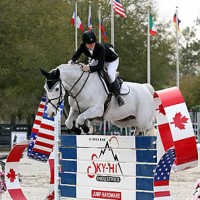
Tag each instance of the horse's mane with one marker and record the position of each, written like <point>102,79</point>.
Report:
<point>69,66</point>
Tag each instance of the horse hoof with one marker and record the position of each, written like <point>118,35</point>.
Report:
<point>69,131</point>
<point>85,129</point>
<point>77,131</point>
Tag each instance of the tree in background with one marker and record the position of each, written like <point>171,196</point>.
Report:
<point>39,34</point>
<point>190,53</point>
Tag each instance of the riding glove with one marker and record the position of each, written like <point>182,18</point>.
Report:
<point>85,68</point>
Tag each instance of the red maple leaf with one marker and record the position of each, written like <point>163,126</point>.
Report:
<point>11,175</point>
<point>51,196</point>
<point>161,109</point>
<point>179,121</point>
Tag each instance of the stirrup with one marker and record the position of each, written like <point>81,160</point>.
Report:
<point>120,101</point>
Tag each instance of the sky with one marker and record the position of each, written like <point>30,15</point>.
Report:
<point>188,11</point>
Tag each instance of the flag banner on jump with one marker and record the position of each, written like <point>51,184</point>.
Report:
<point>175,127</point>
<point>162,175</point>
<point>42,135</point>
<point>107,167</point>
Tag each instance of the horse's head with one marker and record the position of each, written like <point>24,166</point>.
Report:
<point>54,89</point>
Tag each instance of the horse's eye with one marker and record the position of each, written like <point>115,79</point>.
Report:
<point>57,89</point>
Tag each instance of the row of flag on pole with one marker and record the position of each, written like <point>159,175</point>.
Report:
<point>79,25</point>
<point>118,9</point>
<point>153,28</point>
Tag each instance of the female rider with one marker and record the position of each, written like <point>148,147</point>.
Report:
<point>101,55</point>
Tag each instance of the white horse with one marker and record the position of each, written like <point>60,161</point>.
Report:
<point>87,97</point>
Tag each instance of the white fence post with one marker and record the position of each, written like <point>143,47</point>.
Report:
<point>57,121</point>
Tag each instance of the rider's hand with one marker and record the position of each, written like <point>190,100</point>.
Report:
<point>70,62</point>
<point>85,68</point>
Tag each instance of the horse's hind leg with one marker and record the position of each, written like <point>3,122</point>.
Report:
<point>145,120</point>
<point>138,132</point>
<point>151,132</point>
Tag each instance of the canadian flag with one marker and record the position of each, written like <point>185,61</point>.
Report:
<point>175,127</point>
<point>78,22</point>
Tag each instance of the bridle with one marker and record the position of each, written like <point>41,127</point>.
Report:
<point>69,92</point>
<point>60,97</point>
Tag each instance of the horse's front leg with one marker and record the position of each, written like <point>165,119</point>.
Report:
<point>90,113</point>
<point>69,122</point>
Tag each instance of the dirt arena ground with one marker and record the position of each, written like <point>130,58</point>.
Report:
<point>35,181</point>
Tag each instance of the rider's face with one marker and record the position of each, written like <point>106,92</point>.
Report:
<point>90,46</point>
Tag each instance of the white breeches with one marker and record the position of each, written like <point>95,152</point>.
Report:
<point>111,67</point>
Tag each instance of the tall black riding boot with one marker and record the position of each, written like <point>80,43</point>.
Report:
<point>116,88</point>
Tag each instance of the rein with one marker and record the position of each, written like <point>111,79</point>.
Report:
<point>74,97</point>
<point>76,84</point>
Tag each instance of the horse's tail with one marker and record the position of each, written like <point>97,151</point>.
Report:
<point>150,88</point>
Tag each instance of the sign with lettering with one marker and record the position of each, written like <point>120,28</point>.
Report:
<point>107,167</point>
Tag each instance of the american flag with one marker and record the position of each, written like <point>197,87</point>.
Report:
<point>36,125</point>
<point>42,138</point>
<point>162,175</point>
<point>118,8</point>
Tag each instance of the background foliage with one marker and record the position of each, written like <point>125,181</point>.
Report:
<point>37,34</point>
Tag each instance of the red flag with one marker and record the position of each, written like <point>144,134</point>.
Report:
<point>103,32</point>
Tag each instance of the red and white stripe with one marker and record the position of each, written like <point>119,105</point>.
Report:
<point>38,117</point>
<point>45,138</point>
<point>118,8</point>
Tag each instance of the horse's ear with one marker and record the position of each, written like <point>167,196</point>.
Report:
<point>58,73</point>
<point>46,74</point>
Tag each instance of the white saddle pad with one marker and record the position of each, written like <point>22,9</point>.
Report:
<point>124,88</point>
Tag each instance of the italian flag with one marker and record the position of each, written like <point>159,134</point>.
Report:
<point>153,29</point>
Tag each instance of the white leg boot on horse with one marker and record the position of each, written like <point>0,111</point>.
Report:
<point>116,88</point>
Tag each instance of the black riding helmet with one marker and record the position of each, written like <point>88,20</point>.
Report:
<point>89,37</point>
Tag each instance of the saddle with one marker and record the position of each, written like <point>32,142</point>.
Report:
<point>103,75</point>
